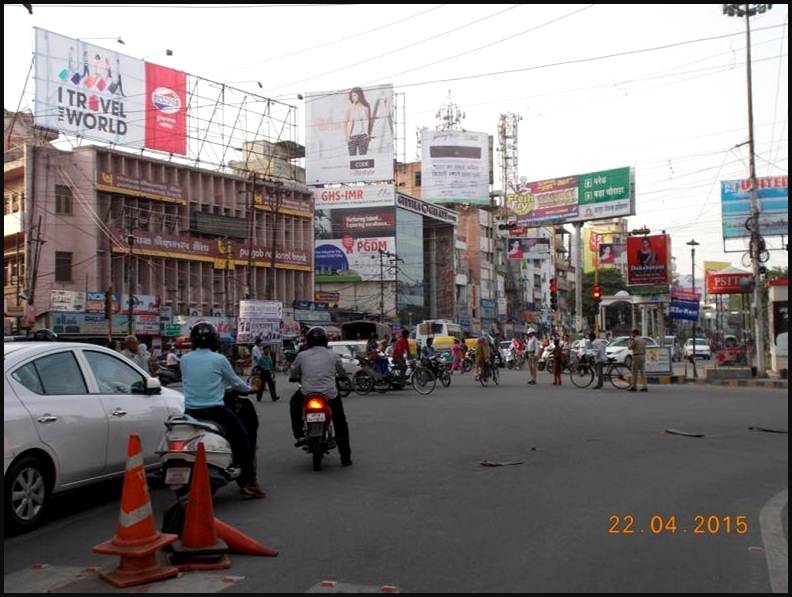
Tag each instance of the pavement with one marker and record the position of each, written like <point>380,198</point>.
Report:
<point>418,512</point>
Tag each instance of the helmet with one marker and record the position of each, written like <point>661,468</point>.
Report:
<point>316,336</point>
<point>204,335</point>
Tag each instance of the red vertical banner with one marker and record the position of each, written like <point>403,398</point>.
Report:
<point>166,109</point>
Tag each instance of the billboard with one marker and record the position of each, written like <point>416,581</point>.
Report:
<point>773,195</point>
<point>729,281</point>
<point>360,196</point>
<point>349,135</point>
<point>360,223</point>
<point>96,93</point>
<point>351,259</point>
<point>684,305</point>
<point>649,260</point>
<point>67,301</point>
<point>583,197</point>
<point>259,319</point>
<point>529,248</point>
<point>600,249</point>
<point>455,167</point>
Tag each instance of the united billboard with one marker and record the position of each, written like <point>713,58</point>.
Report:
<point>96,93</point>
<point>455,167</point>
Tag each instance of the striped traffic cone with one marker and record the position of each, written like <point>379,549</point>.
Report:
<point>136,540</point>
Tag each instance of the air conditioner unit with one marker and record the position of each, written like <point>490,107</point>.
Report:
<point>195,313</point>
<point>217,313</point>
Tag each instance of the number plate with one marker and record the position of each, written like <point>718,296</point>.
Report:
<point>315,417</point>
<point>177,476</point>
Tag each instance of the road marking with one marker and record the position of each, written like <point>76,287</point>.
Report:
<point>776,549</point>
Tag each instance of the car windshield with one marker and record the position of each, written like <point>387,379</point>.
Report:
<point>618,343</point>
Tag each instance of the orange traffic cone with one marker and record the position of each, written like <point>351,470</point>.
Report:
<point>238,542</point>
<point>136,539</point>
<point>198,547</point>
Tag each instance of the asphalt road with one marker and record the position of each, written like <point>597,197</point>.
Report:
<point>417,509</point>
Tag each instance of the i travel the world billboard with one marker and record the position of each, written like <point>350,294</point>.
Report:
<point>349,135</point>
<point>773,195</point>
<point>96,93</point>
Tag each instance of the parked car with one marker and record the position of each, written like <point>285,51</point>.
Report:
<point>703,350</point>
<point>349,349</point>
<point>618,349</point>
<point>68,411</point>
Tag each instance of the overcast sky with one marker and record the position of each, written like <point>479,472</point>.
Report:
<point>674,114</point>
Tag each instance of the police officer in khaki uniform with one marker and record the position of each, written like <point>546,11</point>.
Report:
<point>638,347</point>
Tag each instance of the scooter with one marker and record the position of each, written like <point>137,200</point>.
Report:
<point>178,447</point>
<point>546,360</point>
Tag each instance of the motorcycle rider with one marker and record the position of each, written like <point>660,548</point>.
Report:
<point>429,351</point>
<point>317,368</point>
<point>205,375</point>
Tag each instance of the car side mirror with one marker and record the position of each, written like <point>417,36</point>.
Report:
<point>153,386</point>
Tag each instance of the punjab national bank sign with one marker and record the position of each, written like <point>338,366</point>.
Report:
<point>96,93</point>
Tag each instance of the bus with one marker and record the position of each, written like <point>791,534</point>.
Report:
<point>432,328</point>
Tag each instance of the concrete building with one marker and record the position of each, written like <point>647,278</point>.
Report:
<point>83,220</point>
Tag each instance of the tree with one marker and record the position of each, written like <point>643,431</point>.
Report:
<point>611,282</point>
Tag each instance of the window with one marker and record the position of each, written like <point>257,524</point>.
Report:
<point>63,200</point>
<point>54,375</point>
<point>113,376</point>
<point>417,179</point>
<point>63,266</point>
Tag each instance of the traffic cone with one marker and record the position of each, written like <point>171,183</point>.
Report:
<point>240,543</point>
<point>136,539</point>
<point>198,548</point>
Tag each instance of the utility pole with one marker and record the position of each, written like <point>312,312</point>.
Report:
<point>382,285</point>
<point>131,276</point>
<point>275,205</point>
<point>226,289</point>
<point>579,277</point>
<point>693,244</point>
<point>250,208</point>
<point>747,11</point>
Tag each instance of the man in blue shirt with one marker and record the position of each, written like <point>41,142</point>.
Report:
<point>205,375</point>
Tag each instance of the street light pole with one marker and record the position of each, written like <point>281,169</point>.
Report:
<point>693,244</point>
<point>747,11</point>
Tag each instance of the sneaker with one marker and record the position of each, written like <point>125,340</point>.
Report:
<point>254,491</point>
<point>276,398</point>
<point>300,441</point>
<point>632,390</point>
<point>644,389</point>
<point>346,462</point>
<point>531,383</point>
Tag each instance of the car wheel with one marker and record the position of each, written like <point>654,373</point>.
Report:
<point>27,492</point>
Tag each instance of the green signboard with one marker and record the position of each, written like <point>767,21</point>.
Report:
<point>172,330</point>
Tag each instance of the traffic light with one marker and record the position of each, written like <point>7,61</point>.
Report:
<point>553,294</point>
<point>553,286</point>
<point>596,293</point>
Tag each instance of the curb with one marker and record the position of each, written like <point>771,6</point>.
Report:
<point>666,379</point>
<point>751,383</point>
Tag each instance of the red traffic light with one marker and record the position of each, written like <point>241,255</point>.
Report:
<point>553,285</point>
<point>596,293</point>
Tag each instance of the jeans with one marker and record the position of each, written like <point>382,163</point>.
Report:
<point>235,434</point>
<point>358,144</point>
<point>266,377</point>
<point>339,422</point>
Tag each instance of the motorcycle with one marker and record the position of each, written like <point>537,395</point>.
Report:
<point>546,360</point>
<point>439,367</point>
<point>178,447</point>
<point>169,375</point>
<point>370,377</point>
<point>469,361</point>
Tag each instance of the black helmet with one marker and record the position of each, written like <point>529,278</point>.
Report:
<point>316,337</point>
<point>204,335</point>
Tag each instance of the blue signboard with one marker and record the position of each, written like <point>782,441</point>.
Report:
<point>684,305</point>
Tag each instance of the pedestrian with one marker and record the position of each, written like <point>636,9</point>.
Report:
<point>558,356</point>
<point>532,349</point>
<point>600,356</point>
<point>638,347</point>
<point>265,366</point>
<point>256,351</point>
<point>137,353</point>
<point>458,353</point>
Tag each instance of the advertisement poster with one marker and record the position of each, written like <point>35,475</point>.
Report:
<point>649,260</point>
<point>67,301</point>
<point>529,248</point>
<point>351,259</point>
<point>684,305</point>
<point>259,319</point>
<point>349,135</point>
<point>579,198</point>
<point>455,167</point>
<point>773,195</point>
<point>360,223</point>
<point>96,93</point>
<point>358,196</point>
<point>729,281</point>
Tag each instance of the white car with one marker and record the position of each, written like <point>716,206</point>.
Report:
<point>348,350</point>
<point>703,350</point>
<point>619,351</point>
<point>68,411</point>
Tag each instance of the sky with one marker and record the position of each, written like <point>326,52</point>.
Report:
<point>597,86</point>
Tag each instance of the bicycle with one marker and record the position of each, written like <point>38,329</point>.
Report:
<point>487,371</point>
<point>618,374</point>
<point>583,370</point>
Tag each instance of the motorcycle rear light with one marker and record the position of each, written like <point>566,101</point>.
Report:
<point>177,445</point>
<point>315,404</point>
